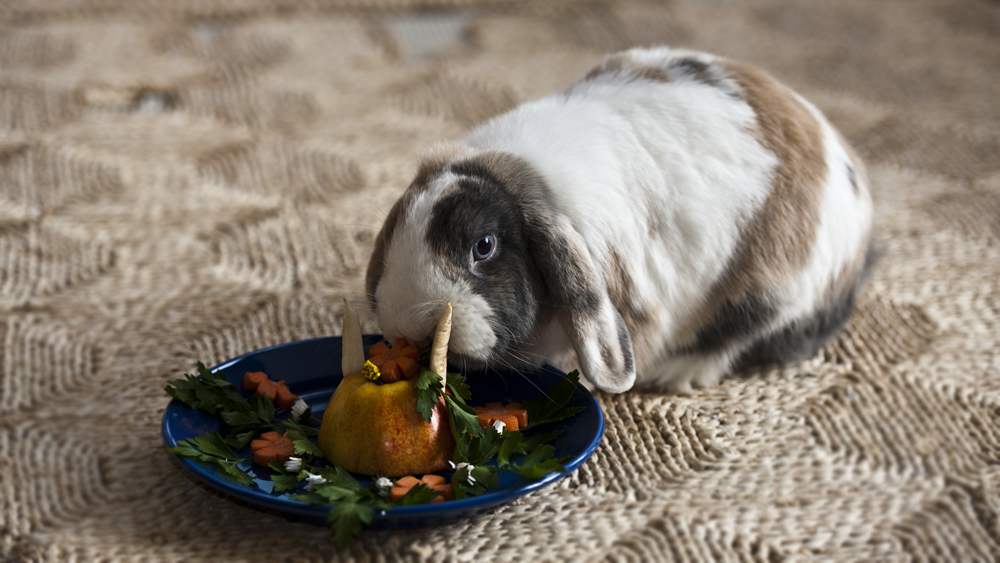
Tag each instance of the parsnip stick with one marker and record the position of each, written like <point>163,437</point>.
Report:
<point>353,359</point>
<point>439,350</point>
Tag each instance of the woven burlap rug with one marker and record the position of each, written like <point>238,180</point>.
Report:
<point>191,180</point>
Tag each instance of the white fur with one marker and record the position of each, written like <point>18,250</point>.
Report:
<point>844,223</point>
<point>413,292</point>
<point>619,158</point>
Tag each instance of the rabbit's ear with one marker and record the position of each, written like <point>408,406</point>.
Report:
<point>578,292</point>
<point>574,288</point>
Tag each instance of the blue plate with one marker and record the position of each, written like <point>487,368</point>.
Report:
<point>311,368</point>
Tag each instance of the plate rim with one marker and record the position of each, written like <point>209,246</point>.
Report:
<point>289,507</point>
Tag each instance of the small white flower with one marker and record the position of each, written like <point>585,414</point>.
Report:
<point>293,465</point>
<point>299,408</point>
<point>499,426</point>
<point>383,483</point>
<point>463,465</point>
<point>312,479</point>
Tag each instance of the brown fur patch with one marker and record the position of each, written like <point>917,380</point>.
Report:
<point>671,70</point>
<point>625,298</point>
<point>433,163</point>
<point>621,290</point>
<point>624,66</point>
<point>776,243</point>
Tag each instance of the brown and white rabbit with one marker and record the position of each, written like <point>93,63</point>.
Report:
<point>668,218</point>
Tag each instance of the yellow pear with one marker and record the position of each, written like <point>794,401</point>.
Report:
<point>375,429</point>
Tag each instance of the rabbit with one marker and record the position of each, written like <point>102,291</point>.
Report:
<point>672,217</point>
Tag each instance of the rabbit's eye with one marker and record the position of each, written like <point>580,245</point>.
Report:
<point>483,248</point>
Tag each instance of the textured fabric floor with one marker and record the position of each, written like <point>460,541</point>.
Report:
<point>185,181</point>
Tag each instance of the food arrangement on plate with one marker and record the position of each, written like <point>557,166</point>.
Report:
<point>397,434</point>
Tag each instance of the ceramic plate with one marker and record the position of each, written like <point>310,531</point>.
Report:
<point>311,368</point>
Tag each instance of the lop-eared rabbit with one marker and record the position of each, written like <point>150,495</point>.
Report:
<point>669,218</point>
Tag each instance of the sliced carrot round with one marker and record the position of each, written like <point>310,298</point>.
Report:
<point>283,397</point>
<point>435,482</point>
<point>514,416</point>
<point>407,481</point>
<point>518,410</point>
<point>252,379</point>
<point>271,447</point>
<point>378,349</point>
<point>396,363</point>
<point>277,391</point>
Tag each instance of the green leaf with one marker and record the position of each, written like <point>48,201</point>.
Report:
<point>463,418</point>
<point>539,463</point>
<point>334,494</point>
<point>429,389</point>
<point>544,408</point>
<point>237,419</point>
<point>345,521</point>
<point>213,444</point>
<point>532,442</point>
<point>210,392</point>
<point>563,414</point>
<point>262,407</point>
<point>310,497</point>
<point>290,425</point>
<point>375,499</point>
<point>207,374</point>
<point>339,478</point>
<point>283,481</point>
<point>483,448</point>
<point>458,387</point>
<point>541,469</point>
<point>182,449</point>
<point>509,443</point>
<point>182,390</point>
<point>303,446</point>
<point>213,450</point>
<point>239,439</point>
<point>418,494</point>
<point>483,477</point>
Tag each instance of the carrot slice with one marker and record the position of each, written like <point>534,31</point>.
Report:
<point>271,446</point>
<point>378,349</point>
<point>407,481</point>
<point>432,480</point>
<point>407,365</point>
<point>435,482</point>
<point>284,398</point>
<point>518,410</point>
<point>514,416</point>
<point>396,363</point>
<point>277,391</point>
<point>252,379</point>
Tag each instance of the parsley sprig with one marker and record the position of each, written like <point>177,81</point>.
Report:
<point>245,420</point>
<point>213,450</point>
<point>354,504</point>
<point>476,446</point>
